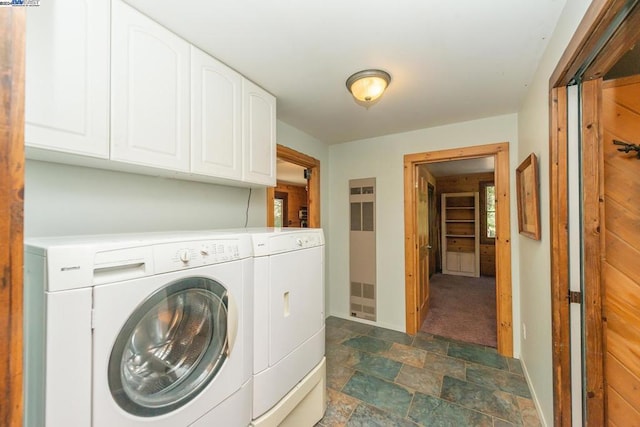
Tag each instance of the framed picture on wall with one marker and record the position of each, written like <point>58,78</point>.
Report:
<point>528,185</point>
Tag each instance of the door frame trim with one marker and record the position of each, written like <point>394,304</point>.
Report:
<point>587,48</point>
<point>504,312</point>
<point>12,60</point>
<point>313,183</point>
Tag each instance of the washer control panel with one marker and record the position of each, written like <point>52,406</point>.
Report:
<point>177,256</point>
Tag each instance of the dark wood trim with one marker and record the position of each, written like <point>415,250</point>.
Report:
<point>559,212</point>
<point>625,38</point>
<point>500,152</point>
<point>593,26</point>
<point>410,246</point>
<point>313,191</point>
<point>12,47</point>
<point>503,252</point>
<point>593,209</point>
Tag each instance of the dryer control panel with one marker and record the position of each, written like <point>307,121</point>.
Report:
<point>286,241</point>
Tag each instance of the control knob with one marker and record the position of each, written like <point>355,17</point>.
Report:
<point>185,256</point>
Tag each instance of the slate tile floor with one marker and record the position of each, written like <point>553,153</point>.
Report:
<point>380,377</point>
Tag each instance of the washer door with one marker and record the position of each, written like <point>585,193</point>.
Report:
<point>171,347</point>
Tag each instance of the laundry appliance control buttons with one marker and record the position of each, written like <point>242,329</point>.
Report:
<point>185,256</point>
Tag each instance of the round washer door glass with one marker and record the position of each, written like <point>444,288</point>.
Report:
<point>170,348</point>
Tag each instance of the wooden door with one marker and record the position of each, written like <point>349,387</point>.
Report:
<point>620,269</point>
<point>434,240</point>
<point>423,180</point>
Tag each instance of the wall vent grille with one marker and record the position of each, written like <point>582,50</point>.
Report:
<point>362,249</point>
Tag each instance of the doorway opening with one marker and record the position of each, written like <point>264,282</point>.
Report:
<point>461,251</point>
<point>295,201</point>
<point>416,296</point>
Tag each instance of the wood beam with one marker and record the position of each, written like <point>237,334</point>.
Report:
<point>12,47</point>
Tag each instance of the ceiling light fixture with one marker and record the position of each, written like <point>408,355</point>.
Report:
<point>368,85</point>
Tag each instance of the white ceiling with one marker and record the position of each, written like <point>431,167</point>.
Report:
<point>450,61</point>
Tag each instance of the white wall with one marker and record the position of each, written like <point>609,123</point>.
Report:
<point>535,269</point>
<point>382,158</point>
<point>65,200</point>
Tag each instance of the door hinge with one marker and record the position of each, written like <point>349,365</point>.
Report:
<point>575,297</point>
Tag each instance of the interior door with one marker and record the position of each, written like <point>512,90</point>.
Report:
<point>434,240</point>
<point>423,180</point>
<point>620,270</point>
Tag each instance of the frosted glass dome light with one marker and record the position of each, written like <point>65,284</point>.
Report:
<point>368,85</point>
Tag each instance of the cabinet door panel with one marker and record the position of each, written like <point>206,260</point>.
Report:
<point>67,77</point>
<point>452,261</point>
<point>150,92</point>
<point>467,262</point>
<point>216,117</point>
<point>259,135</point>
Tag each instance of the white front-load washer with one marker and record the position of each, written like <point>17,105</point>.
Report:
<point>289,327</point>
<point>138,330</point>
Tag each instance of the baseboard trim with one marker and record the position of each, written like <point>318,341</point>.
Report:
<point>534,396</point>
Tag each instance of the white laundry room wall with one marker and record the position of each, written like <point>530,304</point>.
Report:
<point>67,200</point>
<point>382,158</point>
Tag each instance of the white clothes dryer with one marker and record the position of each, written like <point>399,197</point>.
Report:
<point>138,330</point>
<point>289,329</point>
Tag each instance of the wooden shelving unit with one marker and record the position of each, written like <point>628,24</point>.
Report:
<point>460,234</point>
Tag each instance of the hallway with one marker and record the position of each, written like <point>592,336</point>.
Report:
<point>462,308</point>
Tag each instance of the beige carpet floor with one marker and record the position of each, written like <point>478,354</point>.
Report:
<point>462,308</point>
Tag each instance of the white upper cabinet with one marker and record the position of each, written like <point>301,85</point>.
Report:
<point>216,118</point>
<point>149,92</point>
<point>67,77</point>
<point>259,135</point>
<point>108,87</point>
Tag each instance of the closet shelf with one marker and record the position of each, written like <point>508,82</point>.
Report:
<point>460,233</point>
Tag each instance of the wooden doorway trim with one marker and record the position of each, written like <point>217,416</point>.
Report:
<point>313,184</point>
<point>596,45</point>
<point>11,212</point>
<point>559,234</point>
<point>500,153</point>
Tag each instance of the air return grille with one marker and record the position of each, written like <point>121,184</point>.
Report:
<point>362,249</point>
